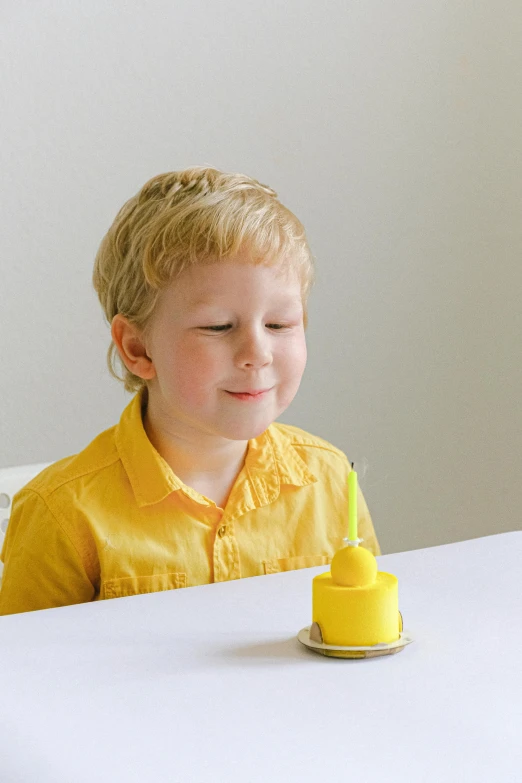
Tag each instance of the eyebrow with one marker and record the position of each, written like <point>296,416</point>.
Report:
<point>211,303</point>
<point>201,303</point>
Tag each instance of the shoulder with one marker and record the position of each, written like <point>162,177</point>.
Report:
<point>76,469</point>
<point>55,507</point>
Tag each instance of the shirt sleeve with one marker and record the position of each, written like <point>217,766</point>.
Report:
<point>42,567</point>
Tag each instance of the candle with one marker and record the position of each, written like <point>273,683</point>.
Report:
<point>352,505</point>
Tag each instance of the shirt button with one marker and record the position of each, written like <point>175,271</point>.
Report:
<point>221,531</point>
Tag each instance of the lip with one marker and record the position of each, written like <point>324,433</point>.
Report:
<point>249,394</point>
<point>248,391</point>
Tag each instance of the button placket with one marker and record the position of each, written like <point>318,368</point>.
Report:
<point>226,554</point>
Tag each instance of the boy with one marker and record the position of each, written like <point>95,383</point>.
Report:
<point>204,278</point>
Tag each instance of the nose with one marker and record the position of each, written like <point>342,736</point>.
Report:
<point>253,349</point>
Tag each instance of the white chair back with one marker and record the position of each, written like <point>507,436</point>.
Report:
<point>11,480</point>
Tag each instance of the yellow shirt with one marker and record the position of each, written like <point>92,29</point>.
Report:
<point>114,520</point>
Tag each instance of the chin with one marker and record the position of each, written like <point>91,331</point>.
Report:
<point>246,432</point>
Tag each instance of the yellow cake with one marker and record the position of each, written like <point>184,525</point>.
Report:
<point>354,604</point>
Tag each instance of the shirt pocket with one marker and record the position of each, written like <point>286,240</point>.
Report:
<point>138,585</point>
<point>277,565</point>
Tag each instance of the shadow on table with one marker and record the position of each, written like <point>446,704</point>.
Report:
<point>265,652</point>
<point>277,652</point>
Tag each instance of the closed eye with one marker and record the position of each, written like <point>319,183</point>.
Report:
<point>223,327</point>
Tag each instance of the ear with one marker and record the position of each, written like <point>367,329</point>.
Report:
<point>131,347</point>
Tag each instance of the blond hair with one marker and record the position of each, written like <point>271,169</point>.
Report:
<point>183,218</point>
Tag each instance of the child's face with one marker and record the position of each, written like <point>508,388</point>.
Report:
<point>228,327</point>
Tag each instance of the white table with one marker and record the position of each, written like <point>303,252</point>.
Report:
<point>210,684</point>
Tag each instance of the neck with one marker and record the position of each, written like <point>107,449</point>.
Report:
<point>191,454</point>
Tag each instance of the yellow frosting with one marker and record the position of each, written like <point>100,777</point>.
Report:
<point>353,566</point>
<point>356,605</point>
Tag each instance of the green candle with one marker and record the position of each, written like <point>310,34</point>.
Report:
<point>352,505</point>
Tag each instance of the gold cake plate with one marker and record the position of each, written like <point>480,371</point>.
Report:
<point>311,635</point>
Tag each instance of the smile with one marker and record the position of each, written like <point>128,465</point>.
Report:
<point>247,396</point>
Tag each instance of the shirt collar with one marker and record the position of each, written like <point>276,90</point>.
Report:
<point>271,461</point>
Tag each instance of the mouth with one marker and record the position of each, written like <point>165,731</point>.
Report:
<point>251,394</point>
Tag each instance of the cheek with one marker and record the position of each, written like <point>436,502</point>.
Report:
<point>292,366</point>
<point>303,354</point>
<point>293,358</point>
<point>194,368</point>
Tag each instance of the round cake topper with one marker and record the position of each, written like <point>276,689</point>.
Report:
<point>353,566</point>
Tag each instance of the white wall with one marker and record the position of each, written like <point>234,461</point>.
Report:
<point>393,130</point>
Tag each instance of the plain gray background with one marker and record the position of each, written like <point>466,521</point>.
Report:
<point>393,131</point>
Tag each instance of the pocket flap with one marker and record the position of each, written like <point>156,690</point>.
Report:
<point>277,565</point>
<point>137,585</point>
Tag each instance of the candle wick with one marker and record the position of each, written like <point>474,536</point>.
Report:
<point>352,465</point>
